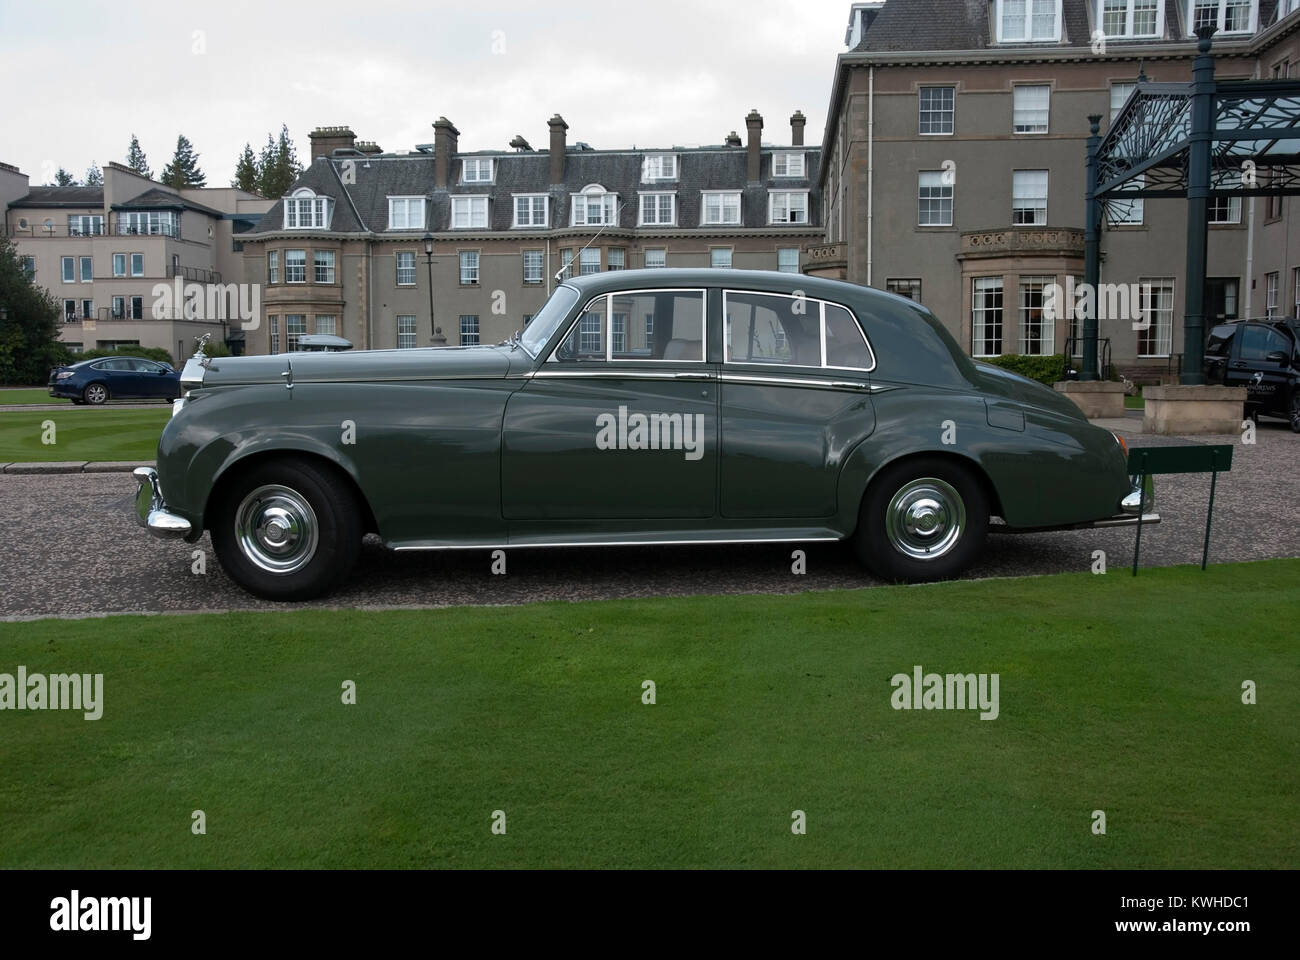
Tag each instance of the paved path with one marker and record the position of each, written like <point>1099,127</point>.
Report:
<point>70,546</point>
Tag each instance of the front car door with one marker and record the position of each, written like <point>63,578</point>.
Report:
<point>795,400</point>
<point>619,423</point>
<point>1261,364</point>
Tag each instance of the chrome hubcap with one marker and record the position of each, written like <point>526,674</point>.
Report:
<point>96,394</point>
<point>925,518</point>
<point>276,529</point>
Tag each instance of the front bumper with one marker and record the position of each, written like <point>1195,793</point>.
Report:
<point>151,510</point>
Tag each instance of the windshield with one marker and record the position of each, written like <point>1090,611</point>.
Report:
<point>542,325</point>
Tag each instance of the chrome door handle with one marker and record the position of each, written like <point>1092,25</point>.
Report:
<point>692,376</point>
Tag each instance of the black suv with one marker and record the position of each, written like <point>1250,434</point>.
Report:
<point>1264,357</point>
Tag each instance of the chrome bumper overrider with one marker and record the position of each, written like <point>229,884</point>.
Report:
<point>151,509</point>
<point>1133,505</point>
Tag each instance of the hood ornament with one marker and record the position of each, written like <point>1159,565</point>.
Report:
<point>199,355</point>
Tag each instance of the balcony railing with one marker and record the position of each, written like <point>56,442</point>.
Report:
<point>40,230</point>
<point>196,274</point>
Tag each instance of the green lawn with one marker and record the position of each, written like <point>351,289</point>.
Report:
<point>82,433</point>
<point>1116,693</point>
<point>1134,403</point>
<point>26,395</point>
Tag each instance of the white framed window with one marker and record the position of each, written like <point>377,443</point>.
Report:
<point>406,213</point>
<point>86,269</point>
<point>787,259</point>
<point>295,326</point>
<point>1032,107</point>
<point>1028,21</point>
<point>1130,18</point>
<point>531,210</point>
<point>28,264</point>
<point>788,163</point>
<point>69,267</point>
<point>304,210</point>
<point>273,325</point>
<point>148,223</point>
<point>1119,94</point>
<point>1225,209</point>
<point>986,317</point>
<point>69,309</point>
<point>566,263</point>
<point>658,166</point>
<point>658,209</point>
<point>787,206</point>
<point>656,257</point>
<point>1227,16</point>
<point>85,225</point>
<point>469,268</point>
<point>593,206</point>
<point>273,266</point>
<point>1029,197</point>
<point>119,308</point>
<point>137,264</point>
<point>1124,212</point>
<point>1156,300</point>
<point>938,110</point>
<point>468,329</point>
<point>615,258</point>
<point>295,267</point>
<point>323,261</point>
<point>405,331</point>
<point>721,208</point>
<point>589,261</point>
<point>119,264</point>
<point>1037,330</point>
<point>469,213</point>
<point>326,325</point>
<point>720,258</point>
<point>476,170</point>
<point>909,287</point>
<point>406,268</point>
<point>533,266</point>
<point>935,199</point>
<point>1270,295</point>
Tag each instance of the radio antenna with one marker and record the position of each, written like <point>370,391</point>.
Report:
<point>617,213</point>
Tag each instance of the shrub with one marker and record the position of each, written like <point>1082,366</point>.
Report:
<point>1046,370</point>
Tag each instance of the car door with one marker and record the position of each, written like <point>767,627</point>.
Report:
<point>621,421</point>
<point>149,379</point>
<point>794,400</point>
<point>1261,362</point>
<point>117,375</point>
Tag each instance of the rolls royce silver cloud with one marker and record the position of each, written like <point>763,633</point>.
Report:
<point>638,407</point>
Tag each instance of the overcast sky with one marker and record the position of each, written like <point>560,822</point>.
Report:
<point>82,77</point>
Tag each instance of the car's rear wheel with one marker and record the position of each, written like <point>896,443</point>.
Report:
<point>287,529</point>
<point>1295,411</point>
<point>922,519</point>
<point>95,393</point>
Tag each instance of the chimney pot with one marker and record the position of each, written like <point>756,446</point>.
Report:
<point>445,140</point>
<point>797,121</point>
<point>754,126</point>
<point>325,140</point>
<point>558,135</point>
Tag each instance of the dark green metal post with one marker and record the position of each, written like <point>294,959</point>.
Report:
<point>1199,142</point>
<point>1209,513</point>
<point>1091,253</point>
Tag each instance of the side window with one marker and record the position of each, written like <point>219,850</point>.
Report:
<point>767,328</point>
<point>1258,342</point>
<point>638,325</point>
<point>845,344</point>
<point>1220,342</point>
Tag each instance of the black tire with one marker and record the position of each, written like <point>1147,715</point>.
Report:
<point>287,529</point>
<point>1294,412</point>
<point>922,519</point>
<point>95,394</point>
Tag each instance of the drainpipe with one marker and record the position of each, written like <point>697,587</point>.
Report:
<point>871,165</point>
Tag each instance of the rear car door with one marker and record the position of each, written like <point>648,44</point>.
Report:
<point>795,399</point>
<point>621,422</point>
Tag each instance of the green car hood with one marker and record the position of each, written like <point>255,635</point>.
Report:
<point>364,365</point>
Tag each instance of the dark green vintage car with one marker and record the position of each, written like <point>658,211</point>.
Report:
<point>638,407</point>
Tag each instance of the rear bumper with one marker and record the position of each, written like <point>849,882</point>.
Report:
<point>151,510</point>
<point>1134,508</point>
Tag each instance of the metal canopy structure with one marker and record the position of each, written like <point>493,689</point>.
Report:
<point>1195,140</point>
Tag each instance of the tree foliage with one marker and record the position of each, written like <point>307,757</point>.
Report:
<point>246,173</point>
<point>29,323</point>
<point>64,179</point>
<point>135,158</point>
<point>94,176</point>
<point>183,171</point>
<point>278,165</point>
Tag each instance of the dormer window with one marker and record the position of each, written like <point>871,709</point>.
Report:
<point>788,164</point>
<point>476,170</point>
<point>659,166</point>
<point>304,210</point>
<point>593,206</point>
<point>1029,21</point>
<point>1129,19</point>
<point>1227,16</point>
<point>406,213</point>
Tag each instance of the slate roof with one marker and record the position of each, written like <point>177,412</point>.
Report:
<point>937,25</point>
<point>62,197</point>
<point>363,206</point>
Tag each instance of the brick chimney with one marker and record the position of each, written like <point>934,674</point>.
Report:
<point>558,135</point>
<point>797,120</point>
<point>325,140</point>
<point>369,147</point>
<point>445,140</point>
<point>754,124</point>
<point>733,139</point>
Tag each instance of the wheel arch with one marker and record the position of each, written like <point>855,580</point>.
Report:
<point>957,458</point>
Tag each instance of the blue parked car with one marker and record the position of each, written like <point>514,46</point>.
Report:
<point>115,378</point>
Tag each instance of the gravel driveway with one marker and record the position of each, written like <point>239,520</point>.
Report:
<point>70,546</point>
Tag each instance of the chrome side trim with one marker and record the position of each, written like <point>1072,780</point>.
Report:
<point>613,543</point>
<point>1123,521</point>
<point>621,375</point>
<point>801,382</point>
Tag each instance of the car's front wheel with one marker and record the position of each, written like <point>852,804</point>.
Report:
<point>95,393</point>
<point>922,519</point>
<point>1295,411</point>
<point>287,529</point>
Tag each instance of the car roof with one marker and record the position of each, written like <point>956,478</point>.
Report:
<point>776,281</point>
